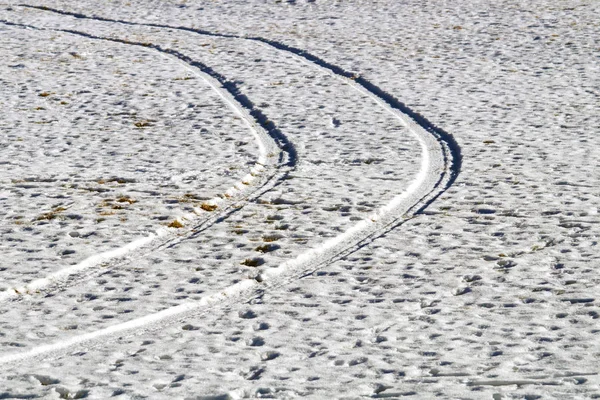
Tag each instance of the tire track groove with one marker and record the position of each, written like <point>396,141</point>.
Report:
<point>121,256</point>
<point>440,166</point>
<point>453,159</point>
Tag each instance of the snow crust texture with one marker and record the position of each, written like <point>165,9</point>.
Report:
<point>229,160</point>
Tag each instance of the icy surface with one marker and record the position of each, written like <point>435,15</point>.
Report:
<point>110,133</point>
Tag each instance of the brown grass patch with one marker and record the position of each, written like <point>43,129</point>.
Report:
<point>126,199</point>
<point>175,224</point>
<point>143,124</point>
<point>51,215</point>
<point>208,207</point>
<point>253,262</point>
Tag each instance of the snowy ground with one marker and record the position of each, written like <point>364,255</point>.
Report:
<point>300,199</point>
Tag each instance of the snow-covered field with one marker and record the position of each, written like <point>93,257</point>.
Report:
<point>300,199</point>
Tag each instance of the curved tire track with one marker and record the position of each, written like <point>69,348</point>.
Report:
<point>454,157</point>
<point>440,165</point>
<point>268,137</point>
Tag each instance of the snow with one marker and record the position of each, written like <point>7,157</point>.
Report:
<point>326,246</point>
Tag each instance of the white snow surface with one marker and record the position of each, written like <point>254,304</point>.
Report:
<point>208,200</point>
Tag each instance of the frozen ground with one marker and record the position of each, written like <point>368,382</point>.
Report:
<point>233,199</point>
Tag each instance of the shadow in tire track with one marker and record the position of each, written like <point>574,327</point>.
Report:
<point>453,160</point>
<point>348,242</point>
<point>287,156</point>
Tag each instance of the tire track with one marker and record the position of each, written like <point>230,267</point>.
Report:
<point>451,150</point>
<point>269,139</point>
<point>440,165</point>
<point>453,155</point>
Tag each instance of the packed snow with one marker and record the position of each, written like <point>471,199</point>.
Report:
<point>299,199</point>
